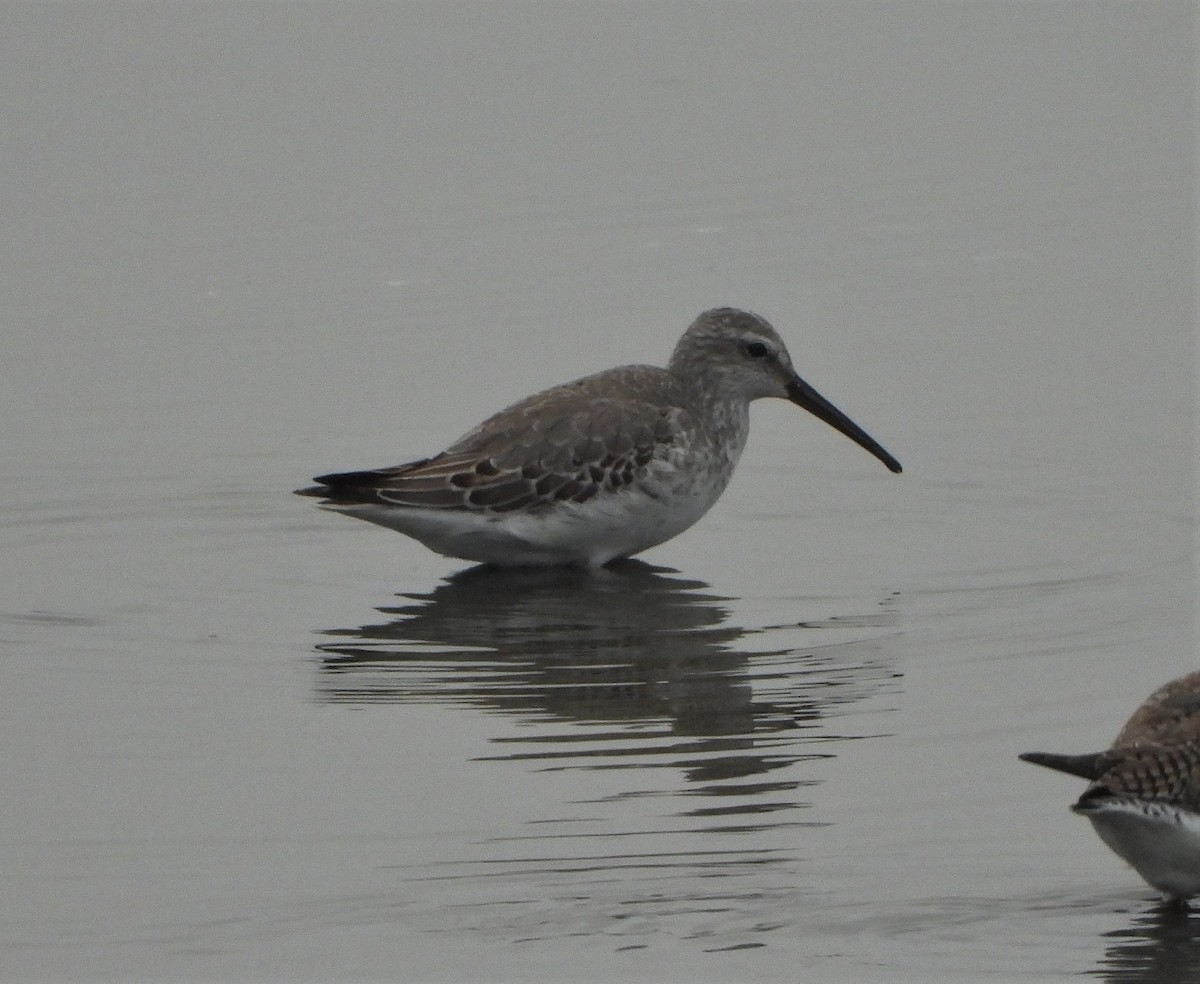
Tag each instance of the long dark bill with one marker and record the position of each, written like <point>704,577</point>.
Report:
<point>800,393</point>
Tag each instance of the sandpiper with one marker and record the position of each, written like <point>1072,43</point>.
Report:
<point>1144,797</point>
<point>596,469</point>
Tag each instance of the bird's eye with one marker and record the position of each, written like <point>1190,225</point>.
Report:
<point>756,350</point>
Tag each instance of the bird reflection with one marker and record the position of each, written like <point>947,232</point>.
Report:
<point>1162,946</point>
<point>634,651</point>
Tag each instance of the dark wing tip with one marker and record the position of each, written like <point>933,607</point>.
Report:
<point>358,486</point>
<point>1090,766</point>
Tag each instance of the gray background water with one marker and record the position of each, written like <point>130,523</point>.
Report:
<point>246,243</point>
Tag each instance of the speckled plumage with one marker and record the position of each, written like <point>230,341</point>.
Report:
<point>1171,713</point>
<point>595,469</point>
<point>1144,794</point>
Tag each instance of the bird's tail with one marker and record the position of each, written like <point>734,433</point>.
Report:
<point>1090,766</point>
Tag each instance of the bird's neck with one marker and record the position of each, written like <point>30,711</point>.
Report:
<point>725,420</point>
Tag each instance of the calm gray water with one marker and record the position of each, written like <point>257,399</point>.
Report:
<point>245,740</point>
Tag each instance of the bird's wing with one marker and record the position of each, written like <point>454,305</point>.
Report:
<point>1171,713</point>
<point>554,447</point>
<point>1169,772</point>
